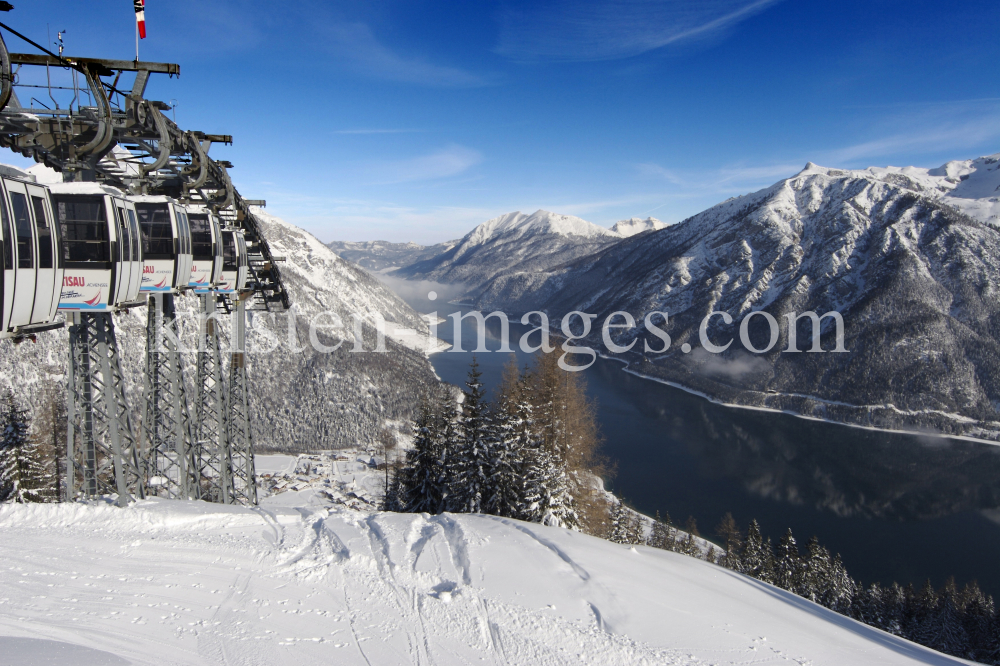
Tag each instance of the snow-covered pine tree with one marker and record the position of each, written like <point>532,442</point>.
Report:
<point>945,631</point>
<point>893,608</point>
<point>732,540</point>
<point>23,478</point>
<point>757,560</point>
<point>978,623</point>
<point>510,437</point>
<point>867,606</point>
<point>841,589</point>
<point>470,461</point>
<point>923,607</point>
<point>816,581</point>
<point>660,534</point>
<point>619,524</point>
<point>421,478</point>
<point>787,563</point>
<point>546,495</point>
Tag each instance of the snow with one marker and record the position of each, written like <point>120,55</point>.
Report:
<point>635,225</point>
<point>541,221</point>
<point>301,580</point>
<point>970,186</point>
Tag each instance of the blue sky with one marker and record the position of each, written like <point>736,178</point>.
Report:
<point>413,120</point>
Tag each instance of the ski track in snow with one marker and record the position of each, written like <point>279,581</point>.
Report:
<point>300,581</point>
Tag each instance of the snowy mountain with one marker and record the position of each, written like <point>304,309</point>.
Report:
<point>635,225</point>
<point>512,242</point>
<point>381,256</point>
<point>299,400</point>
<point>895,251</point>
<point>301,580</point>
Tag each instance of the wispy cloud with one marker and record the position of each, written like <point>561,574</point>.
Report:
<point>355,44</point>
<point>946,129</point>
<point>582,30</point>
<point>448,161</point>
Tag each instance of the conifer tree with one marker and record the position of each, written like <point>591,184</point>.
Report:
<point>661,534</point>
<point>22,476</point>
<point>787,564</point>
<point>924,603</point>
<point>422,479</point>
<point>978,622</point>
<point>469,464</point>
<point>619,524</point>
<point>510,437</point>
<point>816,579</point>
<point>945,631</point>
<point>756,559</point>
<point>841,588</point>
<point>893,609</point>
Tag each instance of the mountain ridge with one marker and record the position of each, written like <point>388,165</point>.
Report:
<point>911,273</point>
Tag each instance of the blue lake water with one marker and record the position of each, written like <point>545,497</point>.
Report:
<point>895,506</point>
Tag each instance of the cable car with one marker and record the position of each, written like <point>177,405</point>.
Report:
<point>32,273</point>
<point>101,246</point>
<point>206,249</point>
<point>234,262</point>
<point>166,243</point>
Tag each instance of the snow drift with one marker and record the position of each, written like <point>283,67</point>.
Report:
<point>299,581</point>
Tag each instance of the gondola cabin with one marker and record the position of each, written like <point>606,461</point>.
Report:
<point>234,262</point>
<point>166,243</point>
<point>206,249</point>
<point>32,273</point>
<point>101,247</point>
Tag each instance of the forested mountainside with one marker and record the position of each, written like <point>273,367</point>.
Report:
<point>915,280</point>
<point>299,400</point>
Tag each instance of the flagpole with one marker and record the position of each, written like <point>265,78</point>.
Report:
<point>137,41</point>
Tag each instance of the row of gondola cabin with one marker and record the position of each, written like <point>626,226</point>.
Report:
<point>206,249</point>
<point>235,266</point>
<point>32,267</point>
<point>102,246</point>
<point>166,243</point>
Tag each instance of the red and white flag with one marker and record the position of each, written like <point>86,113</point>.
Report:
<point>140,17</point>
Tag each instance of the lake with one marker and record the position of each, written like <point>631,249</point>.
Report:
<point>895,506</point>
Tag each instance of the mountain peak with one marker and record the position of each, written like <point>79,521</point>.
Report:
<point>635,225</point>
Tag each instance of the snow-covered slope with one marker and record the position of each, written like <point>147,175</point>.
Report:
<point>383,256</point>
<point>914,279</point>
<point>299,581</point>
<point>970,186</point>
<point>512,242</point>
<point>299,399</point>
<point>635,225</point>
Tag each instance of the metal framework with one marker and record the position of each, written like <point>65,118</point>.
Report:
<point>212,434</point>
<point>102,456</point>
<point>171,453</point>
<point>241,434</point>
<point>123,139</point>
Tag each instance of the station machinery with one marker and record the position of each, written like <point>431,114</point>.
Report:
<point>142,214</point>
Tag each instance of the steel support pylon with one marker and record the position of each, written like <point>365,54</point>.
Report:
<point>102,456</point>
<point>171,451</point>
<point>211,433</point>
<point>238,414</point>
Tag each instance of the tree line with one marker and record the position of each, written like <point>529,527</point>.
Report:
<point>529,454</point>
<point>960,622</point>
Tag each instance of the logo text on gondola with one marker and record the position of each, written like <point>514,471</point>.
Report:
<point>74,281</point>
